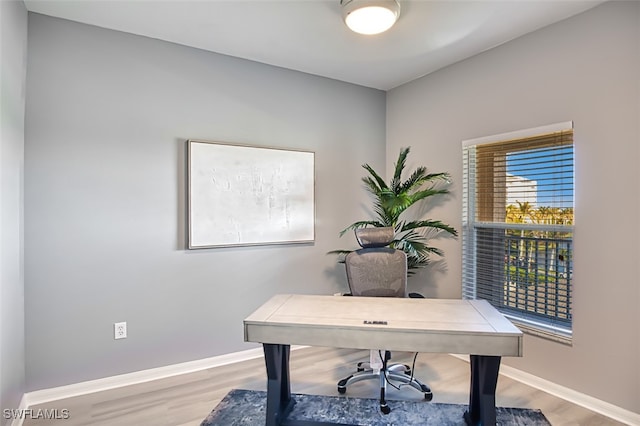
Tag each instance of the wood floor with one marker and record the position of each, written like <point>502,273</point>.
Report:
<point>187,399</point>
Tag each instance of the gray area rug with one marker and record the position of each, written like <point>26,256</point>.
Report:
<point>247,408</point>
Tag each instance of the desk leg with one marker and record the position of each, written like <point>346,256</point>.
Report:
<point>279,402</point>
<point>484,380</point>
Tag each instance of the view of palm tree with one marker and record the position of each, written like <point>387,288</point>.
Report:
<point>538,260</point>
<point>524,212</point>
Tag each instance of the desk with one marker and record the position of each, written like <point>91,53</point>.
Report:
<point>412,325</point>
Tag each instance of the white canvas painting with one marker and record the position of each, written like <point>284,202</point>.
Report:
<point>244,195</point>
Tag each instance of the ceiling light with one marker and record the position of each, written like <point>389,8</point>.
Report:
<point>370,16</point>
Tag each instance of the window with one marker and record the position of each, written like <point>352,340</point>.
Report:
<point>517,236</point>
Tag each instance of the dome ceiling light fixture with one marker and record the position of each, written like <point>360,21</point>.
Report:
<point>370,16</point>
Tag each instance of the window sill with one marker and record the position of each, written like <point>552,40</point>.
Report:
<point>543,331</point>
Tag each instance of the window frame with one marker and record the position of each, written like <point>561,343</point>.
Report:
<point>485,207</point>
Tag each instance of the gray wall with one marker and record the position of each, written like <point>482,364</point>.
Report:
<point>108,115</point>
<point>585,69</point>
<point>13,24</point>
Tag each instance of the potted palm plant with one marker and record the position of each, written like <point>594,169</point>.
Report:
<point>391,200</point>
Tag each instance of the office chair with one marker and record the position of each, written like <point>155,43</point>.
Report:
<point>377,270</point>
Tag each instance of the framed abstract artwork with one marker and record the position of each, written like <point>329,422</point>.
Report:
<point>242,195</point>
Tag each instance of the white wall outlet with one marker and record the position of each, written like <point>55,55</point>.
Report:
<point>120,330</point>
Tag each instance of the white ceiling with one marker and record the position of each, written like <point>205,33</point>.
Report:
<point>310,36</point>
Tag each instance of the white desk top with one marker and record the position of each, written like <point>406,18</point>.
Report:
<point>416,325</point>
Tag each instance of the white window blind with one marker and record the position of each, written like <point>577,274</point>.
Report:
<point>518,208</point>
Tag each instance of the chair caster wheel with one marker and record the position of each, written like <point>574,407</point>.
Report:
<point>428,396</point>
<point>360,369</point>
<point>385,409</point>
<point>342,390</point>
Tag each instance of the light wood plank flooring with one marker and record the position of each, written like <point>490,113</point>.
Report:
<point>187,399</point>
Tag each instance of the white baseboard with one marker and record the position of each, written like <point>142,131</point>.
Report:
<point>54,394</point>
<point>91,386</point>
<point>606,409</point>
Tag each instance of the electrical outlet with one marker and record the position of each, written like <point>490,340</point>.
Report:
<point>120,330</point>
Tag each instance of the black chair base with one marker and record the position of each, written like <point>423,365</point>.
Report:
<point>400,373</point>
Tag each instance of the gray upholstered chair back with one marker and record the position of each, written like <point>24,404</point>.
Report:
<point>376,270</point>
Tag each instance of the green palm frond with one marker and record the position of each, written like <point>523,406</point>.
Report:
<point>381,185</point>
<point>420,195</point>
<point>396,181</point>
<point>433,224</point>
<point>415,181</point>
<point>383,216</point>
<point>420,177</point>
<point>372,186</point>
<point>394,206</point>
